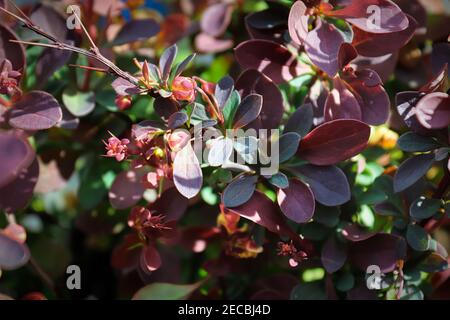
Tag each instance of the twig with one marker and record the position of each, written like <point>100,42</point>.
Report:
<point>93,53</point>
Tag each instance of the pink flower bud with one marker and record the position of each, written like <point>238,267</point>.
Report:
<point>183,89</point>
<point>123,102</point>
<point>178,139</point>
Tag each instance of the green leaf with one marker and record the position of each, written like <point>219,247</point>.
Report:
<point>78,103</point>
<point>413,142</point>
<point>345,282</point>
<point>166,291</point>
<point>417,237</point>
<point>424,208</point>
<point>412,293</point>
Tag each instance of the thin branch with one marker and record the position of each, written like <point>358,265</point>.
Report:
<point>57,44</point>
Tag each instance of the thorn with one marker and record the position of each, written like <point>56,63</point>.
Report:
<point>88,68</point>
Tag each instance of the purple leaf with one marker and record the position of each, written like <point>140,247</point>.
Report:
<point>288,146</point>
<point>223,91</point>
<point>177,119</point>
<point>150,259</point>
<point>334,141</point>
<point>239,191</point>
<point>126,190</point>
<point>205,43</point>
<point>341,103</point>
<point>433,110</point>
<point>50,20</point>
<point>49,62</point>
<point>252,81</point>
<point>322,46</point>
<point>125,88</point>
<point>411,170</point>
<point>354,233</point>
<point>13,254</point>
<point>301,120</point>
<point>365,15</point>
<point>166,61</point>
<point>298,22</point>
<point>264,212</point>
<point>367,44</point>
<point>216,19</point>
<point>16,195</point>
<point>172,205</point>
<point>165,107</point>
<point>373,100</point>
<point>270,58</point>
<point>248,110</point>
<point>187,174</point>
<point>383,250</point>
<point>136,30</point>
<point>347,53</point>
<point>36,110</point>
<point>296,201</point>
<point>15,154</point>
<point>328,184</point>
<point>14,52</point>
<point>334,255</point>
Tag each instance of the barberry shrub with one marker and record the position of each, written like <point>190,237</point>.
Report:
<point>170,155</point>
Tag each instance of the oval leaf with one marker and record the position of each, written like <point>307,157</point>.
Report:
<point>248,110</point>
<point>126,190</point>
<point>187,174</point>
<point>78,103</point>
<point>239,191</point>
<point>297,201</point>
<point>433,110</point>
<point>13,254</point>
<point>166,291</point>
<point>411,170</point>
<point>334,255</point>
<point>424,208</point>
<point>328,184</point>
<point>136,30</point>
<point>334,141</point>
<point>288,146</point>
<point>36,110</point>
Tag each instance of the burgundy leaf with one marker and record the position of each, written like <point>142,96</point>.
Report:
<point>136,30</point>
<point>16,195</point>
<point>368,44</point>
<point>204,43</point>
<point>354,233</point>
<point>248,110</point>
<point>124,88</point>
<point>438,82</point>
<point>383,250</point>
<point>298,22</point>
<point>49,62</point>
<point>406,106</point>
<point>440,56</point>
<point>172,205</point>
<point>334,141</point>
<point>216,19</point>
<point>373,100</point>
<point>328,184</point>
<point>15,154</point>
<point>36,110</point>
<point>270,58</point>
<point>14,52</point>
<point>264,212</point>
<point>297,201</point>
<point>126,190</point>
<point>341,103</point>
<point>252,81</point>
<point>433,110</point>
<point>347,53</point>
<point>361,13</point>
<point>50,20</point>
<point>165,107</point>
<point>187,174</point>
<point>13,254</point>
<point>334,255</point>
<point>150,259</point>
<point>384,66</point>
<point>322,46</point>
